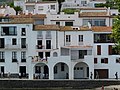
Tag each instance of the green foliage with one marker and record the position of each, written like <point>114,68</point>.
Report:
<point>109,3</point>
<point>116,28</point>
<point>69,11</point>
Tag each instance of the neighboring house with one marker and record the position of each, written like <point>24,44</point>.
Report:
<point>7,10</point>
<point>37,7</point>
<point>80,3</point>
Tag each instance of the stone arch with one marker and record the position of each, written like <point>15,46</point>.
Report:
<point>41,71</point>
<point>81,71</point>
<point>61,71</point>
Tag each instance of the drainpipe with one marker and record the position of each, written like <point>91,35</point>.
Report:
<point>56,39</point>
<point>64,38</point>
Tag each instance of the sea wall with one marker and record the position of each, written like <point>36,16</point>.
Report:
<point>83,84</point>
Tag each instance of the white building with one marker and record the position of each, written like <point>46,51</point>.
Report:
<point>59,46</point>
<point>7,10</point>
<point>37,7</point>
<point>76,4</point>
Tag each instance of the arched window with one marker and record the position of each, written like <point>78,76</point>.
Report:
<point>55,54</point>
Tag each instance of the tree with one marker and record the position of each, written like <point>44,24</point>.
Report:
<point>17,8</point>
<point>116,28</point>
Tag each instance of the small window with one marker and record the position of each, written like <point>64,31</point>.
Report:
<point>14,56</point>
<point>23,32</point>
<point>23,56</point>
<point>95,60</point>
<point>14,41</point>
<point>80,38</point>
<point>57,23</point>
<point>53,7</point>
<point>104,60</point>
<point>2,56</point>
<point>68,38</point>
<point>40,8</point>
<point>55,54</point>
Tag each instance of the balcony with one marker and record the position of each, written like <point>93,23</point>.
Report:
<point>9,46</point>
<point>15,47</point>
<point>24,46</point>
<point>39,36</point>
<point>40,47</point>
<point>37,59</point>
<point>48,37</point>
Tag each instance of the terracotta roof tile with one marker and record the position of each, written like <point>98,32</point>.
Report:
<point>72,28</point>
<point>89,8</point>
<point>77,47</point>
<point>46,27</point>
<point>19,21</point>
<point>93,14</point>
<point>40,16</point>
<point>101,29</point>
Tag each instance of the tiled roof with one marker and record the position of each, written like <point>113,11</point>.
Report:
<point>93,14</point>
<point>75,47</point>
<point>46,27</point>
<point>101,29</point>
<point>43,2</point>
<point>19,21</point>
<point>72,28</point>
<point>89,8</point>
<point>40,16</point>
<point>99,0</point>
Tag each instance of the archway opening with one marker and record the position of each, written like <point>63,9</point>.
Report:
<point>61,71</point>
<point>41,71</point>
<point>81,71</point>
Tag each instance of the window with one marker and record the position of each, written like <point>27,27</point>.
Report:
<point>104,60</point>
<point>55,70</point>
<point>23,42</point>
<point>12,30</point>
<point>95,60</point>
<point>62,66</point>
<point>57,23</point>
<point>82,53</point>
<point>94,22</point>
<point>68,23</point>
<point>23,56</point>
<point>109,49</point>
<point>98,49</point>
<point>14,56</point>
<point>117,60</point>
<point>40,54</point>
<point>48,34</point>
<point>40,8</point>
<point>80,38</point>
<point>47,54</point>
<point>52,7</point>
<point>68,38</point>
<point>39,35</point>
<point>23,32</point>
<point>2,56</point>
<point>2,41</point>
<point>14,41</point>
<point>48,44</point>
<point>55,54</point>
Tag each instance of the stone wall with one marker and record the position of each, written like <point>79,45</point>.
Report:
<point>83,84</point>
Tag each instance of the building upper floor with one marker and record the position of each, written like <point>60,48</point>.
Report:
<point>37,6</point>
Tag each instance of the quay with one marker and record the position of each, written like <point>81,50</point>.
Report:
<point>69,84</point>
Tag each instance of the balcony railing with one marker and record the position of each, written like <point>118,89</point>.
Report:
<point>18,46</point>
<point>39,36</point>
<point>37,59</point>
<point>9,46</point>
